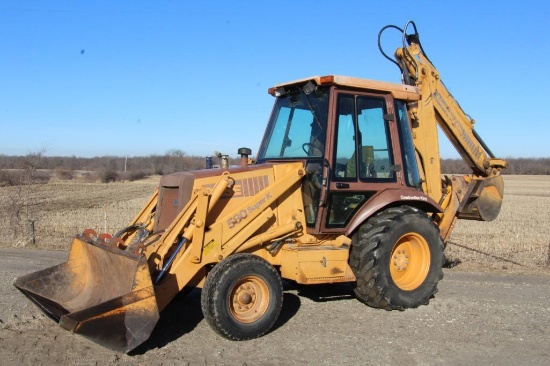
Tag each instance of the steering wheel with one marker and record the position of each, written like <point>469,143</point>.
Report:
<point>311,147</point>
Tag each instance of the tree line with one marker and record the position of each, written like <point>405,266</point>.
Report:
<point>516,166</point>
<point>171,161</point>
<point>112,168</point>
<point>104,168</point>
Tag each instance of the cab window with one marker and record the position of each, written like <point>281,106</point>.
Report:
<point>363,146</point>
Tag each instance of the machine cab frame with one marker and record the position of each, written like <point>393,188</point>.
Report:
<point>354,139</point>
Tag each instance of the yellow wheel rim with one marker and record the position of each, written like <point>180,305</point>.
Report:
<point>410,261</point>
<point>249,299</point>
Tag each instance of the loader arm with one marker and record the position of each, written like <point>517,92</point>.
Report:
<point>223,237</point>
<point>477,196</point>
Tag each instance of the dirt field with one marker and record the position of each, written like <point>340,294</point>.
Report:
<point>476,319</point>
<point>492,308</point>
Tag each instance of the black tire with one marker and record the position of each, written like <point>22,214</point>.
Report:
<point>397,258</point>
<point>242,297</point>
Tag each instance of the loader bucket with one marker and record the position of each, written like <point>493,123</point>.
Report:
<point>103,293</point>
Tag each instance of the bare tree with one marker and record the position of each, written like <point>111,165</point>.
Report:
<point>21,202</point>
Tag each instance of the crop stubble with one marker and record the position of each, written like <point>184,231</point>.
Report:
<point>520,236</point>
<point>519,239</point>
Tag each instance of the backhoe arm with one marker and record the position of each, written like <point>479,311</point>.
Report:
<point>477,196</point>
<point>438,102</point>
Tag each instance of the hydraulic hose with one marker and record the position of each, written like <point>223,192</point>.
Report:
<point>380,44</point>
<point>170,260</point>
<point>407,40</point>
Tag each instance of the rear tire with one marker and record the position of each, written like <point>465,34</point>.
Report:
<point>242,297</point>
<point>397,258</point>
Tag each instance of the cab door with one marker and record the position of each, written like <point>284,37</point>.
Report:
<point>364,156</point>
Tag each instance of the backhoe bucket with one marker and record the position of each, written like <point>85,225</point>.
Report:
<point>484,200</point>
<point>103,293</point>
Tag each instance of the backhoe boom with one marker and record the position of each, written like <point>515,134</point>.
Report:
<point>477,196</point>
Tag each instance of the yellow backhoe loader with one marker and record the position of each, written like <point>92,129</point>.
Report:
<point>346,187</point>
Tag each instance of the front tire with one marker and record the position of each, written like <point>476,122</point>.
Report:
<point>242,297</point>
<point>397,258</point>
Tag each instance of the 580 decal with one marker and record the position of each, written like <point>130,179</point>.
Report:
<point>243,214</point>
<point>236,219</point>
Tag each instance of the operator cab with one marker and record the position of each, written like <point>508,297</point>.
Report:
<point>354,138</point>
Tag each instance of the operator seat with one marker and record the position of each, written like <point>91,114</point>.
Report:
<point>366,164</point>
<point>311,191</point>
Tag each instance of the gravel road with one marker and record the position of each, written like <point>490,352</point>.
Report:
<point>478,318</point>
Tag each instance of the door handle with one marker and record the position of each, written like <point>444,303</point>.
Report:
<point>342,185</point>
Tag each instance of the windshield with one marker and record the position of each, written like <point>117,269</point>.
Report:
<point>297,127</point>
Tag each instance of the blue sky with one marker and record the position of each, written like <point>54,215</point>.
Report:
<point>94,78</point>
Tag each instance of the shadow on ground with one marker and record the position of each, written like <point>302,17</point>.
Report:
<point>325,292</point>
<point>180,317</point>
<point>184,313</point>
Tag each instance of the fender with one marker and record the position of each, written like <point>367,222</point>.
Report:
<point>392,198</point>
